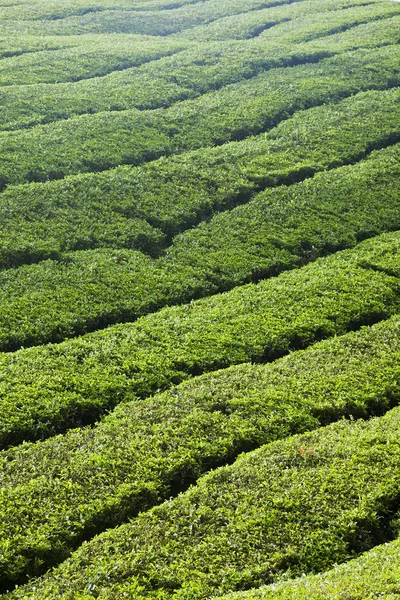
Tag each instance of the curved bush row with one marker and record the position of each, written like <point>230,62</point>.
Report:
<point>376,574</point>
<point>289,22</point>
<point>279,229</point>
<point>288,226</point>
<point>110,209</point>
<point>77,58</point>
<point>113,18</point>
<point>51,388</point>
<point>185,19</point>
<point>54,11</point>
<point>13,45</point>
<point>160,83</point>
<point>165,11</point>
<point>294,506</point>
<point>100,141</point>
<point>56,492</point>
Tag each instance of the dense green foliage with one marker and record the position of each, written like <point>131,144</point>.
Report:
<point>293,23</point>
<point>292,506</point>
<point>100,141</point>
<point>110,17</point>
<point>57,491</point>
<point>111,209</point>
<point>375,575</point>
<point>289,226</point>
<point>279,229</point>
<point>253,322</point>
<point>91,56</point>
<point>160,83</point>
<point>178,156</point>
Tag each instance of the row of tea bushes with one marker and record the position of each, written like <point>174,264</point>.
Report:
<point>76,58</point>
<point>294,506</point>
<point>69,227</point>
<point>106,139</point>
<point>279,229</point>
<point>160,83</point>
<point>11,45</point>
<point>376,574</point>
<point>181,19</point>
<point>88,290</point>
<point>285,227</point>
<point>289,22</point>
<point>56,492</point>
<point>111,18</point>
<point>110,209</point>
<point>165,11</point>
<point>53,10</point>
<point>51,388</point>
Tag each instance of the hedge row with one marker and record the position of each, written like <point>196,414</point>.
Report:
<point>162,82</point>
<point>294,506</point>
<point>53,10</point>
<point>376,574</point>
<point>110,209</point>
<point>79,57</point>
<point>279,229</point>
<point>176,21</point>
<point>12,45</point>
<point>100,141</point>
<point>288,22</point>
<point>48,389</point>
<point>111,18</point>
<point>166,11</point>
<point>286,227</point>
<point>56,492</point>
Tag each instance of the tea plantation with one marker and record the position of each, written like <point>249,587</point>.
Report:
<point>200,299</point>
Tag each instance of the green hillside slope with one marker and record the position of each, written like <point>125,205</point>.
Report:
<point>292,506</point>
<point>161,83</point>
<point>56,492</point>
<point>134,207</point>
<point>142,18</point>
<point>278,230</point>
<point>50,388</point>
<point>199,299</point>
<point>101,141</point>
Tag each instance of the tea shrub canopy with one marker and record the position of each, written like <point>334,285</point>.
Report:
<point>200,299</point>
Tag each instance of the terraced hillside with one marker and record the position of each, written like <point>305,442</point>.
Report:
<point>200,299</point>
